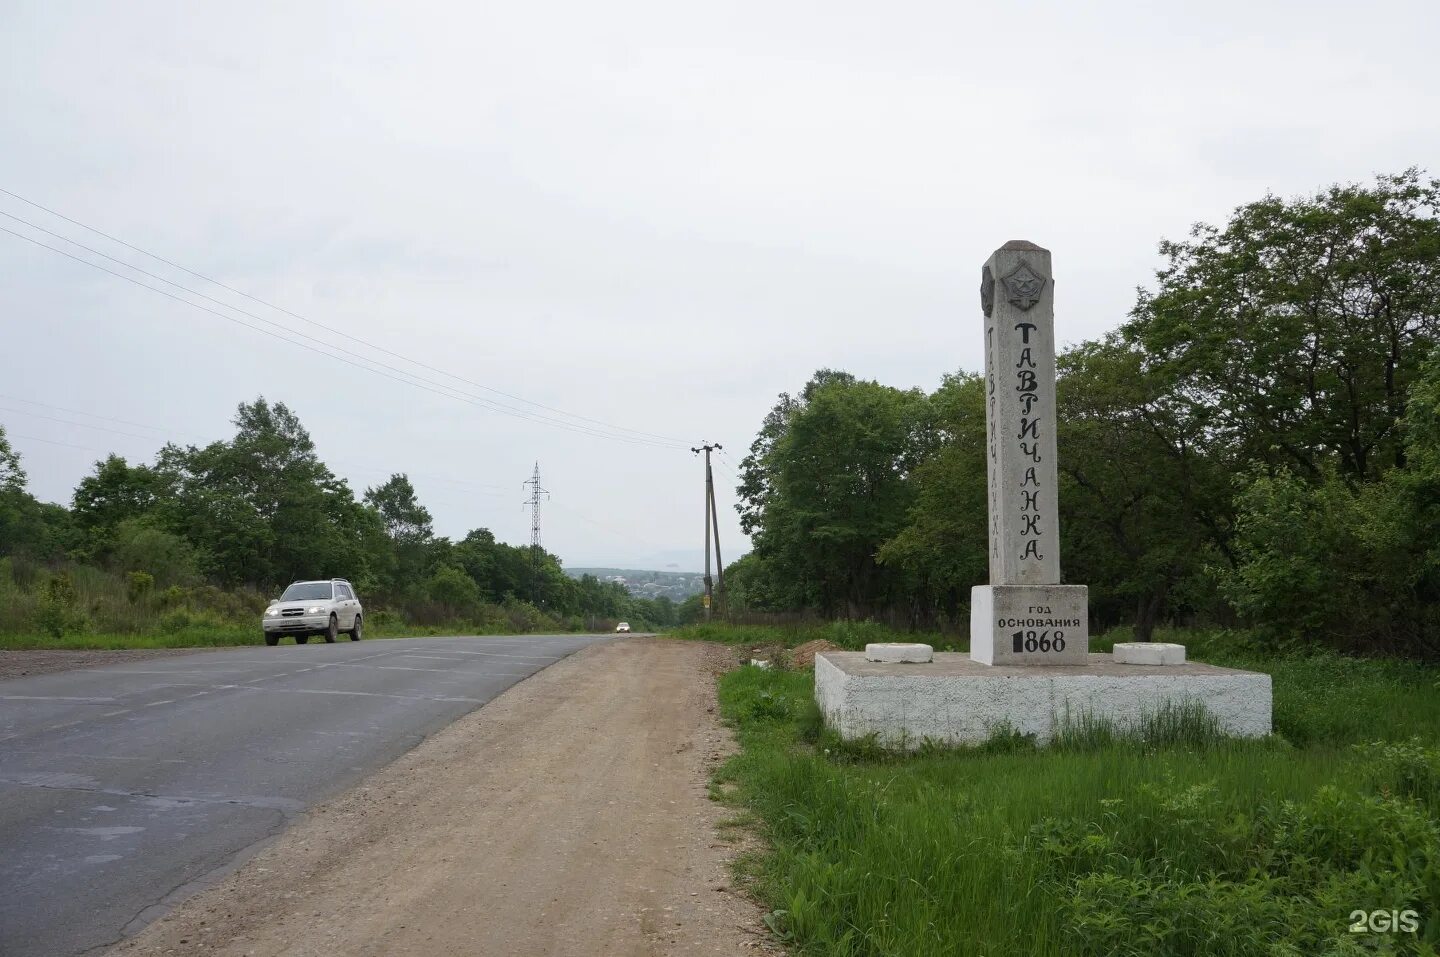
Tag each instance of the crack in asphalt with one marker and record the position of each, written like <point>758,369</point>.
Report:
<point>156,908</point>
<point>285,806</point>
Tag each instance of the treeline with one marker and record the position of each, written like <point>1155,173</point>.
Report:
<point>249,515</point>
<point>1257,444</point>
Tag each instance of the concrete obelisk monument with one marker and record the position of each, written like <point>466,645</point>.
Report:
<point>1024,616</point>
<point>1024,622</point>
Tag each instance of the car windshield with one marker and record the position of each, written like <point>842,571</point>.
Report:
<point>306,591</point>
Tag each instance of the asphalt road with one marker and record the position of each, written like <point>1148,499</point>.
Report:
<point>127,787</point>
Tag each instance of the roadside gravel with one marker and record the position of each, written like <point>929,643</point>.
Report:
<point>567,817</point>
<point>18,664</point>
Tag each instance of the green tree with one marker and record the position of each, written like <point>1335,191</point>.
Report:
<point>751,586</point>
<point>12,497</point>
<point>28,527</point>
<point>1352,564</point>
<point>1293,334</point>
<point>114,493</point>
<point>408,526</point>
<point>942,549</point>
<point>263,507</point>
<point>690,611</point>
<point>827,483</point>
<point>502,571</point>
<point>12,476</point>
<point>1145,503</point>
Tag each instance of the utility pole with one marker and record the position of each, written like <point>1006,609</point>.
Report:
<point>710,521</point>
<point>533,483</point>
<point>719,563</point>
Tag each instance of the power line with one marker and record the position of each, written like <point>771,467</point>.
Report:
<point>349,466</point>
<point>488,403</point>
<point>295,315</point>
<point>420,383</point>
<point>92,415</point>
<point>83,425</point>
<point>68,445</point>
<point>727,469</point>
<point>608,528</point>
<point>411,379</point>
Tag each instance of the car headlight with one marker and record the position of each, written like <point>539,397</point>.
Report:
<point>314,610</point>
<point>271,612</point>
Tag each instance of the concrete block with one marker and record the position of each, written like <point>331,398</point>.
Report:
<point>897,652</point>
<point>955,700</point>
<point>1030,624</point>
<point>1148,653</point>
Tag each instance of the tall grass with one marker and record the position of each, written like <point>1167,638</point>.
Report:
<point>852,635</point>
<point>82,607</point>
<point>1171,840</point>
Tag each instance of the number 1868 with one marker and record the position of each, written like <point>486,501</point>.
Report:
<point>1023,642</point>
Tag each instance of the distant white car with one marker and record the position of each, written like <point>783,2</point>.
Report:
<point>319,608</point>
<point>623,626</point>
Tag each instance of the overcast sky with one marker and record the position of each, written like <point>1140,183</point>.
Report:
<point>655,215</point>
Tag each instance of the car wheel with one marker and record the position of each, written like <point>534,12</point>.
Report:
<point>271,640</point>
<point>301,639</point>
<point>332,631</point>
<point>355,632</point>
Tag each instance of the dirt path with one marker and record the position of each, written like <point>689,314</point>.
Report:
<point>567,817</point>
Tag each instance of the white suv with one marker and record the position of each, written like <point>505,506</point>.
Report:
<point>323,608</point>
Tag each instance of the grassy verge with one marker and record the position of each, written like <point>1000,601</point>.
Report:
<point>846,634</point>
<point>81,607</point>
<point>1170,841</point>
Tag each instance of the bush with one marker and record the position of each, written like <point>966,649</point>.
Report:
<point>177,619</point>
<point>522,617</point>
<point>385,618</point>
<point>138,585</point>
<point>12,612</point>
<point>453,590</point>
<point>186,619</point>
<point>1408,769</point>
<point>855,635</point>
<point>769,706</point>
<point>56,613</point>
<point>139,546</point>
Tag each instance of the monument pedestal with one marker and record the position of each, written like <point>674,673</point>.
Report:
<point>1030,624</point>
<point>954,700</point>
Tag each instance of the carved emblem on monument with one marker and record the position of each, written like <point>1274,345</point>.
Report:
<point>1023,286</point>
<point>987,291</point>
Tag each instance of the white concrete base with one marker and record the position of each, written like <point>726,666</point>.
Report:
<point>955,700</point>
<point>898,652</point>
<point>1148,653</point>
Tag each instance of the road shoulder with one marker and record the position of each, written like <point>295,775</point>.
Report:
<point>23,663</point>
<point>568,816</point>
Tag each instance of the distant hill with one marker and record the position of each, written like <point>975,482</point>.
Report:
<point>676,586</point>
